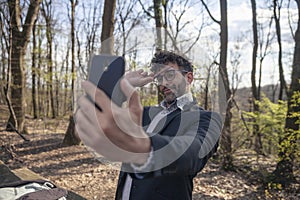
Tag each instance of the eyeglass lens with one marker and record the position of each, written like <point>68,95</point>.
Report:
<point>168,75</point>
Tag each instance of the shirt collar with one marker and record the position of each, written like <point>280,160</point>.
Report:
<point>180,102</point>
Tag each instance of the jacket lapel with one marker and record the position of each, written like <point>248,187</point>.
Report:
<point>167,119</point>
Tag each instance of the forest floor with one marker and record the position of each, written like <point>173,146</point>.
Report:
<point>76,168</point>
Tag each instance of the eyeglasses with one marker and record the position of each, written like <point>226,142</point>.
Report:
<point>169,75</point>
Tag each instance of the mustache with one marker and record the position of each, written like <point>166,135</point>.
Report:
<point>168,88</point>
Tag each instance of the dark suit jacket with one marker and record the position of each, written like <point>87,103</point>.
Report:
<point>182,143</point>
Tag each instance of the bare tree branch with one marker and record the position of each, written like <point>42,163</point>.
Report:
<point>145,10</point>
<point>289,20</point>
<point>209,13</point>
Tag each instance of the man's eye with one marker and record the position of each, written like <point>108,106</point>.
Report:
<point>169,74</point>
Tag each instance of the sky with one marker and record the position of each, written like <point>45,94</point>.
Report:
<point>239,20</point>
<point>240,35</point>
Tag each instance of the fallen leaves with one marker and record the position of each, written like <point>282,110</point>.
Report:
<point>92,176</point>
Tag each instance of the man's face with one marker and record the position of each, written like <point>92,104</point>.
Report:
<point>172,82</point>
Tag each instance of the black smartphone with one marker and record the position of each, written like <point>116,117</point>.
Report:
<point>106,71</point>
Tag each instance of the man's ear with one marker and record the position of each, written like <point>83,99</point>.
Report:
<point>190,77</point>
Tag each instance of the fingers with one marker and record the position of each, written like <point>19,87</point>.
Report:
<point>128,89</point>
<point>146,74</point>
<point>83,125</point>
<point>98,96</point>
<point>139,78</point>
<point>87,108</point>
<point>151,74</point>
<point>107,131</point>
<point>91,135</point>
<point>146,78</point>
<point>133,98</point>
<point>140,71</point>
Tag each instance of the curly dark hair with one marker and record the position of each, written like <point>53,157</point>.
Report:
<point>164,57</point>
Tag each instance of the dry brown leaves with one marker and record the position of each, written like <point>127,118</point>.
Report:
<point>75,168</point>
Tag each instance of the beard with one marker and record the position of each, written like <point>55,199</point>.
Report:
<point>170,98</point>
<point>172,92</point>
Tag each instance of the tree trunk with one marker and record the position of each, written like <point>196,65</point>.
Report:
<point>108,22</point>
<point>255,93</point>
<point>57,87</point>
<point>38,72</point>
<point>283,86</point>
<point>20,38</point>
<point>206,90</point>
<point>283,173</point>
<point>4,48</point>
<point>73,69</point>
<point>158,23</point>
<point>46,10</point>
<point>158,43</point>
<point>66,95</point>
<point>226,144</point>
<point>165,6</point>
<point>10,126</point>
<point>70,136</point>
<point>33,72</point>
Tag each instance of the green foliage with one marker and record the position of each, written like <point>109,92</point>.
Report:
<point>295,102</point>
<point>276,126</point>
<point>290,145</point>
<point>148,95</point>
<point>277,186</point>
<point>288,148</point>
<point>270,119</point>
<point>149,101</point>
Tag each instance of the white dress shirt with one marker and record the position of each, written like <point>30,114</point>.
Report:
<point>179,103</point>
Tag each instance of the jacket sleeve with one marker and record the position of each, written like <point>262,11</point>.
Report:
<point>186,148</point>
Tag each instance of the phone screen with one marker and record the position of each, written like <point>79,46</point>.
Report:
<point>105,72</point>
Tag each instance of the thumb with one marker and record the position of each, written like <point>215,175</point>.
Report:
<point>126,88</point>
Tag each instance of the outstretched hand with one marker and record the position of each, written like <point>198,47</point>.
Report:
<point>139,78</point>
<point>113,132</point>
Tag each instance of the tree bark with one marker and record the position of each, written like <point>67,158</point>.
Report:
<point>20,38</point>
<point>158,27</point>
<point>108,22</point>
<point>255,93</point>
<point>46,10</point>
<point>226,143</point>
<point>283,86</point>
<point>70,136</point>
<point>283,173</point>
<point>73,71</point>
<point>66,88</point>
<point>4,48</point>
<point>225,93</point>
<point>33,72</point>
<point>165,24</point>
<point>158,23</point>
<point>38,72</point>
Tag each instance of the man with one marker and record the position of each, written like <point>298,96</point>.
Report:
<point>163,147</point>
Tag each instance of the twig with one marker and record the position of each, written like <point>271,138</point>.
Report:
<point>14,129</point>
